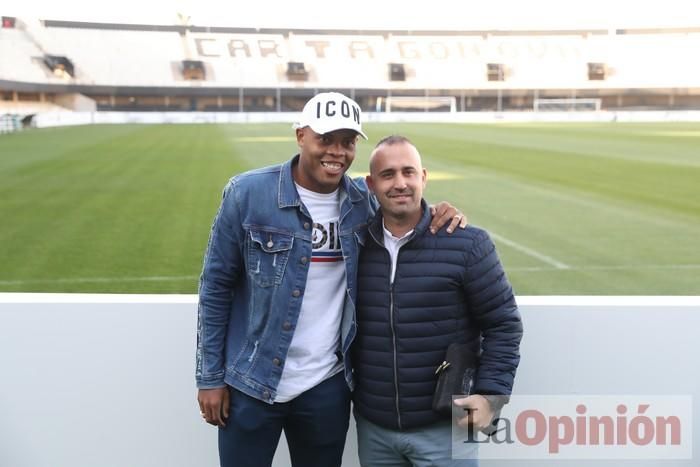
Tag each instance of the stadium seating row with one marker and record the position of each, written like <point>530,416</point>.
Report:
<point>114,57</point>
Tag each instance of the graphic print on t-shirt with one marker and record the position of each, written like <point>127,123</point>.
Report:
<point>326,243</point>
<point>311,357</point>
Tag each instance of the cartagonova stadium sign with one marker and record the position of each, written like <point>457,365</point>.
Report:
<point>466,48</point>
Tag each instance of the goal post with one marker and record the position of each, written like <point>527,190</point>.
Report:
<point>571,104</point>
<point>416,104</point>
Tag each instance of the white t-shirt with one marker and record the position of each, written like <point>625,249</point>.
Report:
<point>312,353</point>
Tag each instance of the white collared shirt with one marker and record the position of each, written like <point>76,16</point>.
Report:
<point>393,244</point>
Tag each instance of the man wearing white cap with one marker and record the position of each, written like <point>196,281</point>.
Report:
<point>276,310</point>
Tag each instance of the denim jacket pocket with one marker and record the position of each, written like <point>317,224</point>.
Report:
<point>268,253</point>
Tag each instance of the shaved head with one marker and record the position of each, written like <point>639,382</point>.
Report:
<point>390,141</point>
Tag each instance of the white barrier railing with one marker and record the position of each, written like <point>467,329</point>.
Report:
<point>107,380</point>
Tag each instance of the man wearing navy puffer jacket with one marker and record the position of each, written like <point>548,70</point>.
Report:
<point>417,294</point>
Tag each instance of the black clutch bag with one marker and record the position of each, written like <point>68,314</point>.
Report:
<point>456,376</point>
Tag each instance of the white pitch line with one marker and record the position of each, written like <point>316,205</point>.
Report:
<point>93,298</point>
<point>79,280</point>
<point>530,252</point>
<point>627,267</point>
<point>592,201</point>
<point>580,198</point>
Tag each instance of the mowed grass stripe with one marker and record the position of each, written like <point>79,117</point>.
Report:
<point>648,184</point>
<point>131,204</point>
<point>116,203</point>
<point>635,142</point>
<point>574,223</point>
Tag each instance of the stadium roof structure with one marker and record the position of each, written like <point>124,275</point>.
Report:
<point>49,23</point>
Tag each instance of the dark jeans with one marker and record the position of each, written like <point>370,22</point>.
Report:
<point>315,425</point>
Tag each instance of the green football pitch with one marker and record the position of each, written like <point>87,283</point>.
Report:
<point>574,209</point>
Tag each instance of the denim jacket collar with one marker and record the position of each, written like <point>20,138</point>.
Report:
<point>287,195</point>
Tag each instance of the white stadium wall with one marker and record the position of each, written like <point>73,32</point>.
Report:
<point>108,380</point>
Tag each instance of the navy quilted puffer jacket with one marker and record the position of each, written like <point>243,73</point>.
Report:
<point>447,288</point>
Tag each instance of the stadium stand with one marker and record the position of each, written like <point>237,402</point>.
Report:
<point>186,68</point>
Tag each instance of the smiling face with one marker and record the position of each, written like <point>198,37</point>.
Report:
<point>397,179</point>
<point>324,159</point>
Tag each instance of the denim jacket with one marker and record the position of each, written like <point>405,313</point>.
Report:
<point>254,275</point>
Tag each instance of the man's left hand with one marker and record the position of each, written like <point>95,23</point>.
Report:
<point>443,213</point>
<point>477,409</point>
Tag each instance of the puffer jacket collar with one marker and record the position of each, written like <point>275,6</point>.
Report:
<point>377,224</point>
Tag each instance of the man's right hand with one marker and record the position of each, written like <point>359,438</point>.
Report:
<point>214,405</point>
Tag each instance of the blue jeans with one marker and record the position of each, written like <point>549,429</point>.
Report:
<point>429,446</point>
<point>315,425</point>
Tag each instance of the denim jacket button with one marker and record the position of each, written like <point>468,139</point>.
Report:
<point>304,260</point>
<point>270,244</point>
<point>296,293</point>
<point>287,326</point>
<point>306,226</point>
<point>276,361</point>
<point>266,394</point>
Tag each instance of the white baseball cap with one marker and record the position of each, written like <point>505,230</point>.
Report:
<point>330,111</point>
